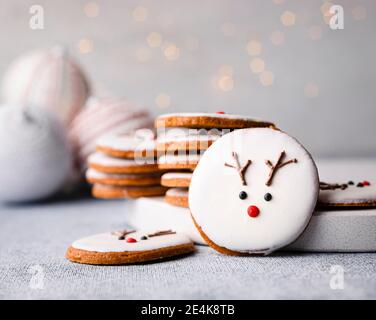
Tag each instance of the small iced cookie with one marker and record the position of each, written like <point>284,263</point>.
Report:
<point>178,162</point>
<point>176,139</point>
<point>253,192</point>
<point>102,191</point>
<point>106,164</point>
<point>177,197</point>
<point>129,147</point>
<point>353,194</point>
<point>176,179</point>
<point>209,120</point>
<point>93,176</point>
<point>128,246</point>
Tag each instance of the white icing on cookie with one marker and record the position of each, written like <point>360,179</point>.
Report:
<point>211,115</point>
<point>177,175</point>
<point>95,174</point>
<point>108,242</point>
<point>214,191</point>
<point>179,159</point>
<point>98,158</point>
<point>177,192</point>
<point>187,135</point>
<point>126,143</point>
<point>351,195</point>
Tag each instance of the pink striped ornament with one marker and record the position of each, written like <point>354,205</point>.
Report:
<point>49,79</point>
<point>105,116</point>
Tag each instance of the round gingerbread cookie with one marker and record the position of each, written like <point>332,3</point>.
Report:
<point>129,246</point>
<point>127,146</point>
<point>176,179</point>
<point>178,162</point>
<point>209,120</point>
<point>177,197</point>
<point>171,140</point>
<point>253,192</point>
<point>102,191</point>
<point>351,195</point>
<point>93,176</point>
<point>106,164</point>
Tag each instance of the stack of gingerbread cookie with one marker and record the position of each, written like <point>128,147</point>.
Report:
<point>182,138</point>
<point>124,167</point>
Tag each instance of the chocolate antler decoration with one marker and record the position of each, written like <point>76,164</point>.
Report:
<point>122,234</point>
<point>161,233</point>
<point>278,165</point>
<point>332,186</point>
<point>237,167</point>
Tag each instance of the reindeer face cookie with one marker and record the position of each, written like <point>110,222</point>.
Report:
<point>253,191</point>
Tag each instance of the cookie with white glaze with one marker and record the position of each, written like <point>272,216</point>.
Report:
<point>209,120</point>
<point>103,191</point>
<point>148,179</point>
<point>177,197</point>
<point>253,192</point>
<point>351,195</point>
<point>107,164</point>
<point>127,146</point>
<point>129,246</point>
<point>176,179</point>
<point>179,161</point>
<point>171,140</point>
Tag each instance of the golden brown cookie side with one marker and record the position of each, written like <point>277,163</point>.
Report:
<point>118,258</point>
<point>125,154</point>
<point>179,201</point>
<point>124,192</point>
<point>141,168</point>
<point>206,122</point>
<point>134,181</point>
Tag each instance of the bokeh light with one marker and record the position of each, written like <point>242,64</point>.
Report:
<point>226,70</point>
<point>315,32</point>
<point>288,18</point>
<point>266,78</point>
<point>163,100</point>
<point>154,39</point>
<point>257,65</point>
<point>311,90</point>
<point>91,9</point>
<point>225,83</point>
<point>254,48</point>
<point>277,38</point>
<point>278,1</point>
<point>228,29</point>
<point>171,52</point>
<point>140,14</point>
<point>85,46</point>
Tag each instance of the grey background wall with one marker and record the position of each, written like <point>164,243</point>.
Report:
<point>319,84</point>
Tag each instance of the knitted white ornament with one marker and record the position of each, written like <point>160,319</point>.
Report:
<point>50,79</point>
<point>105,116</point>
<point>35,158</point>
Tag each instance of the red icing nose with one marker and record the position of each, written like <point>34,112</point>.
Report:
<point>253,211</point>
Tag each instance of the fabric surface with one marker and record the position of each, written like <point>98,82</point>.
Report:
<point>33,240</point>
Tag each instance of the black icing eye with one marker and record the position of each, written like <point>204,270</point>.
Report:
<point>268,196</point>
<point>243,195</point>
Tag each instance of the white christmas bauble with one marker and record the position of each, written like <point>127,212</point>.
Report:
<point>50,79</point>
<point>104,116</point>
<point>35,157</point>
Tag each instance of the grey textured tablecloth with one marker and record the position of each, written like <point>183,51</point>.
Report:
<point>33,240</point>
